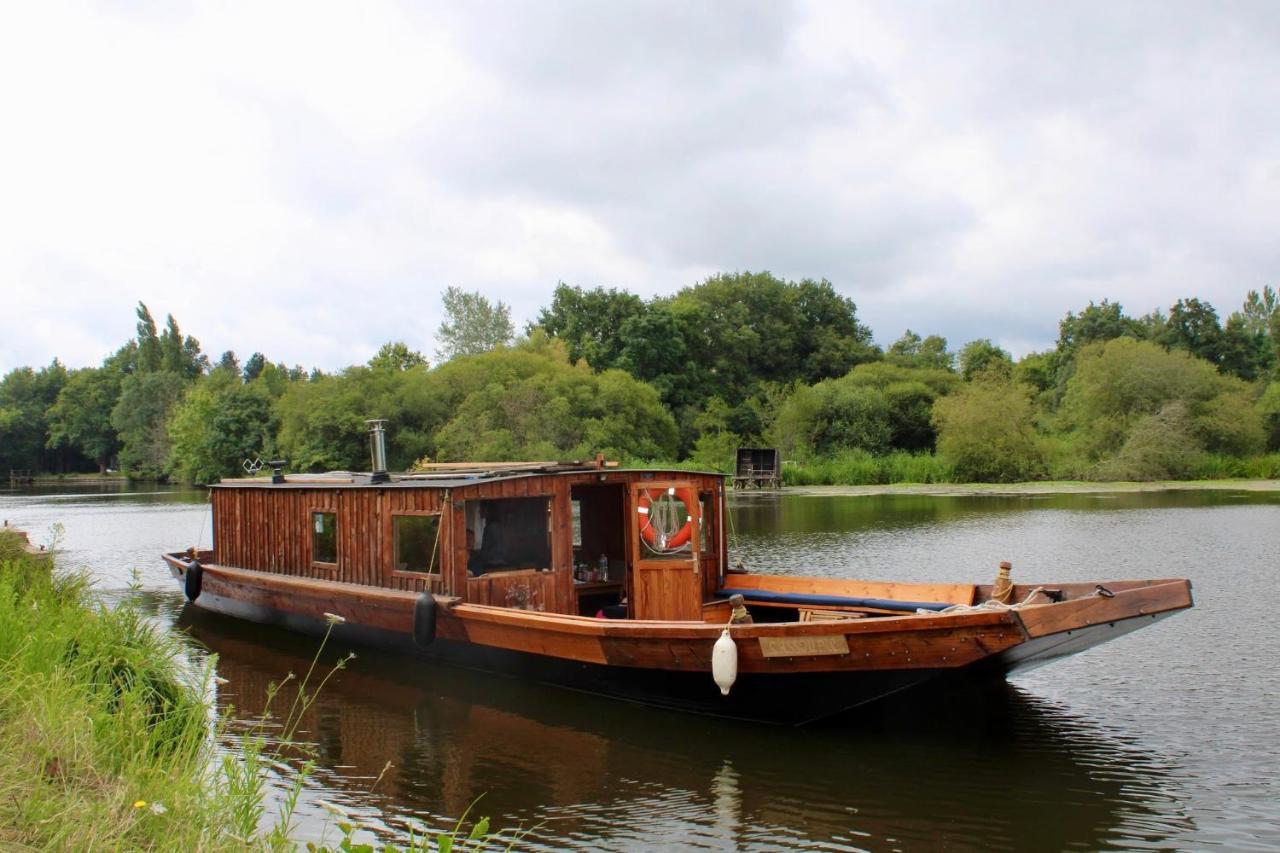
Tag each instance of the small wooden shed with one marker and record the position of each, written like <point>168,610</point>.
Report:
<point>758,468</point>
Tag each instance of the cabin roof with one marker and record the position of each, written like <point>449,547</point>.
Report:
<point>446,475</point>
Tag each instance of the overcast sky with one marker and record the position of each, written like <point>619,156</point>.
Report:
<point>306,179</point>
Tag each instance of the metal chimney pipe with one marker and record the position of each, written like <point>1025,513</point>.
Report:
<point>378,442</point>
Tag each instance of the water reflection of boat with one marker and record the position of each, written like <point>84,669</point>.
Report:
<point>617,582</point>
<point>598,774</point>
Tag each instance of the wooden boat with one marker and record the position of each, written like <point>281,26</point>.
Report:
<point>616,582</point>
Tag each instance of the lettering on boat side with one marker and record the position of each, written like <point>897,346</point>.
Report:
<point>792,647</point>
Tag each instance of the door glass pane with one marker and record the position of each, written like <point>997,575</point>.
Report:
<point>665,525</point>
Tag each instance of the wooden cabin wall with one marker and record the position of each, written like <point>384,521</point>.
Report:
<point>270,530</point>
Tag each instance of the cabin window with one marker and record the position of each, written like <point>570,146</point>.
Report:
<point>508,533</point>
<point>577,523</point>
<point>416,543</point>
<point>324,537</point>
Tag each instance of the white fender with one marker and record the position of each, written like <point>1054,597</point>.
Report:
<point>724,662</point>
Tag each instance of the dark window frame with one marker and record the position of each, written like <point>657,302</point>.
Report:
<point>337,541</point>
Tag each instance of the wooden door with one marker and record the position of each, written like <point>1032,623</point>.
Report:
<point>666,577</point>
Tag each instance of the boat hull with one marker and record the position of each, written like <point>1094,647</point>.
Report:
<point>668,664</point>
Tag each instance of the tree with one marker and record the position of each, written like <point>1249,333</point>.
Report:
<point>1118,383</point>
<point>140,419</point>
<point>833,416</point>
<point>181,355</point>
<point>986,432</point>
<point>472,325</point>
<point>81,416</point>
<point>254,366</point>
<point>25,398</point>
<point>1269,408</point>
<point>149,357</point>
<point>981,357</point>
<point>396,355</point>
<point>1193,326</point>
<point>911,350</point>
<point>217,426</point>
<point>228,363</point>
<point>589,322</point>
<point>1095,324</point>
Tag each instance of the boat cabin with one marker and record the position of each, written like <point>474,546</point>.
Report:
<point>577,538</point>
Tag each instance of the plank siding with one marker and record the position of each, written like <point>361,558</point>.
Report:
<point>269,529</point>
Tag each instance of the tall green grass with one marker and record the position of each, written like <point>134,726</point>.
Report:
<point>104,743</point>
<point>109,741</point>
<point>859,468</point>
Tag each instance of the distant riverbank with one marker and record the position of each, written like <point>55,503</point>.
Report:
<point>1035,488</point>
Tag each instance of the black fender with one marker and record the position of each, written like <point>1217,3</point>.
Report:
<point>192,580</point>
<point>424,619</point>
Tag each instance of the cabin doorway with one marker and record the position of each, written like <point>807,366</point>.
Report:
<point>666,551</point>
<point>600,549</point>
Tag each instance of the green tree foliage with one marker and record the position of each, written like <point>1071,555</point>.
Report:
<point>1269,409</point>
<point>180,355</point>
<point>81,416</point>
<point>396,355</point>
<point>140,419</point>
<point>472,325</point>
<point>1193,326</point>
<point>911,350</point>
<point>530,402</point>
<point>218,425</point>
<point>831,416</point>
<point>590,322</point>
<point>1096,324</point>
<point>228,363</point>
<point>986,432</point>
<point>1161,446</point>
<point>874,408</point>
<point>1037,370</point>
<point>149,354</point>
<point>322,422</point>
<point>254,366</point>
<point>983,358</point>
<point>1118,383</point>
<point>26,396</point>
<point>728,337</point>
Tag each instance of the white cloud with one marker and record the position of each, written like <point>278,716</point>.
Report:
<point>305,179</point>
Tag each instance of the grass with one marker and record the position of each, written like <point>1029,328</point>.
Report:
<point>109,741</point>
<point>105,745</point>
<point>858,468</point>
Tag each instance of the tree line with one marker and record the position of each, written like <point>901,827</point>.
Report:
<point>737,359</point>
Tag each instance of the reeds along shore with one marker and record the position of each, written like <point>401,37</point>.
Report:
<point>108,741</point>
<point>104,742</point>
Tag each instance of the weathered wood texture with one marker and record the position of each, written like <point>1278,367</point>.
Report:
<point>269,529</point>
<point>951,593</point>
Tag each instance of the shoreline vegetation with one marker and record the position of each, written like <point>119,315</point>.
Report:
<point>109,739</point>
<point>738,359</point>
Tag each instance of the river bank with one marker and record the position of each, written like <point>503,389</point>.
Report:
<point>1061,487</point>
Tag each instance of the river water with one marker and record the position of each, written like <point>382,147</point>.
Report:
<point>1164,739</point>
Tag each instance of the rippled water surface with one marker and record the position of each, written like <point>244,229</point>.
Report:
<point>1163,739</point>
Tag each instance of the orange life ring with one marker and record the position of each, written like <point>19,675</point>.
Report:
<point>650,534</point>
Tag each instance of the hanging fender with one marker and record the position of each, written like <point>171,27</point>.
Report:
<point>424,619</point>
<point>192,580</point>
<point>650,534</point>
